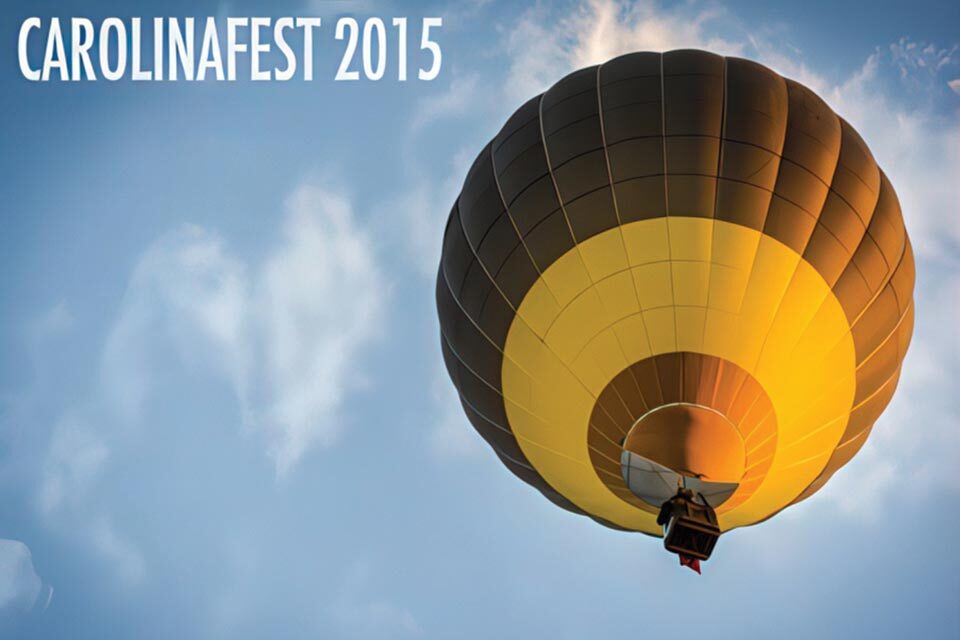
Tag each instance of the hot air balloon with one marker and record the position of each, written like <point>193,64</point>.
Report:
<point>675,289</point>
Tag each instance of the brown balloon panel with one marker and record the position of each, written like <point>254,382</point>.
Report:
<point>700,416</point>
<point>654,224</point>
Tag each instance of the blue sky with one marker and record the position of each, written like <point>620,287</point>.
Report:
<point>222,407</point>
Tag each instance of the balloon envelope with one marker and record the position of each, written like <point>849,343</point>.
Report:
<point>682,257</point>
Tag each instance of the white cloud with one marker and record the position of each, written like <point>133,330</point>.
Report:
<point>543,46</point>
<point>188,288</point>
<point>20,585</point>
<point>320,301</point>
<point>913,58</point>
<point>76,457</point>
<point>285,334</point>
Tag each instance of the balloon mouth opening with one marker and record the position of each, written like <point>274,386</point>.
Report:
<point>693,440</point>
<point>683,445</point>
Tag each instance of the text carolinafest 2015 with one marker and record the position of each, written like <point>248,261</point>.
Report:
<point>199,49</point>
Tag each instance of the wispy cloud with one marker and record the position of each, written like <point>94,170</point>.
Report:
<point>546,43</point>
<point>284,333</point>
<point>20,586</point>
<point>913,58</point>
<point>321,300</point>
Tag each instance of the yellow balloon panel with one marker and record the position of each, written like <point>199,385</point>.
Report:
<point>747,299</point>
